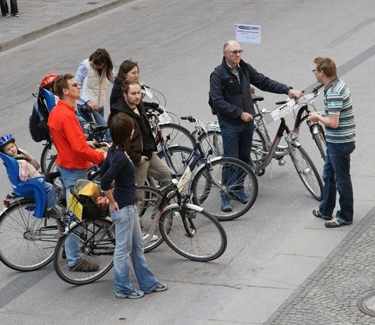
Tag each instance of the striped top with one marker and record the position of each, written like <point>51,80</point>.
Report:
<point>337,99</point>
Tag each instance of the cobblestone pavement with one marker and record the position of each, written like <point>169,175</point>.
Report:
<point>39,17</point>
<point>332,293</point>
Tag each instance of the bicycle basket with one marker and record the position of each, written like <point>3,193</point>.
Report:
<point>82,201</point>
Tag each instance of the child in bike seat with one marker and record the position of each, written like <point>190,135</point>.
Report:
<point>28,167</point>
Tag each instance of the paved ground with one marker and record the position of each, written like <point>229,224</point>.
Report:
<point>277,245</point>
<point>40,17</point>
<point>331,295</point>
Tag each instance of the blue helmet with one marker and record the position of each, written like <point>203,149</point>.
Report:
<point>5,139</point>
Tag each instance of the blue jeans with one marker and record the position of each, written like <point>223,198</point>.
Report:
<point>237,141</point>
<point>51,195</point>
<point>336,177</point>
<point>69,178</point>
<point>129,248</point>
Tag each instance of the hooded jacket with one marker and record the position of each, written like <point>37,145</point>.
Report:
<point>143,142</point>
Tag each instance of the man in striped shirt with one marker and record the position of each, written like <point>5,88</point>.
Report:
<point>340,136</point>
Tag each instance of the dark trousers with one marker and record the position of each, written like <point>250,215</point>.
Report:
<point>5,9</point>
<point>237,141</point>
<point>336,177</point>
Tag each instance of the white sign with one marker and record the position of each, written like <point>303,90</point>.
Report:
<point>248,33</point>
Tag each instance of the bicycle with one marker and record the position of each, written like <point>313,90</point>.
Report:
<point>264,150</point>
<point>261,135</point>
<point>27,235</point>
<point>186,228</point>
<point>207,179</point>
<point>97,240</point>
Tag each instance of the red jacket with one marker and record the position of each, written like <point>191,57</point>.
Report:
<point>73,152</point>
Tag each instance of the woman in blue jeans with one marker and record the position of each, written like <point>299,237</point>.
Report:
<point>119,169</point>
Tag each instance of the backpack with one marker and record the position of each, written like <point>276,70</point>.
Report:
<point>44,104</point>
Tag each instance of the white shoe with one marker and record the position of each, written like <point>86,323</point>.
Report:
<point>149,238</point>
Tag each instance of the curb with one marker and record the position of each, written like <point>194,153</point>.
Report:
<point>35,34</point>
<point>336,254</point>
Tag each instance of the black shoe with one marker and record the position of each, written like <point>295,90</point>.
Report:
<point>335,223</point>
<point>316,213</point>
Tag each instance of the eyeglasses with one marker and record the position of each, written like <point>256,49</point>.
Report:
<point>236,51</point>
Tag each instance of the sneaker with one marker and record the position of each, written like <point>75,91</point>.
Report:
<point>160,287</point>
<point>149,238</point>
<point>240,196</point>
<point>84,266</point>
<point>316,213</point>
<point>225,204</point>
<point>135,294</point>
<point>335,223</point>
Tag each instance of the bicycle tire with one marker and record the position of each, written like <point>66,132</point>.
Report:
<point>207,188</point>
<point>101,245</point>
<point>320,141</point>
<point>175,134</point>
<point>214,141</point>
<point>27,243</point>
<point>176,158</point>
<point>304,171</point>
<point>48,158</point>
<point>148,216</point>
<point>193,229</point>
<point>258,149</point>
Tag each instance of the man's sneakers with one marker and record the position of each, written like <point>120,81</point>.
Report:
<point>316,213</point>
<point>331,222</point>
<point>335,223</point>
<point>84,266</point>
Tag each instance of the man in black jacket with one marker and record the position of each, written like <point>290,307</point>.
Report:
<point>231,100</point>
<point>143,148</point>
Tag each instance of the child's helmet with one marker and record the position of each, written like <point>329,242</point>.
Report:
<point>5,139</point>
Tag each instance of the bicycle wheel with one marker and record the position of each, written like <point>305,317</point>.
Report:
<point>258,149</point>
<point>175,134</point>
<point>214,141</point>
<point>176,158</point>
<point>225,178</point>
<point>26,243</point>
<point>96,241</point>
<point>307,172</point>
<point>148,206</point>
<point>48,158</point>
<point>319,139</point>
<point>195,234</point>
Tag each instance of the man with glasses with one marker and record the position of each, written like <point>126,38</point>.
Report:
<point>230,98</point>
<point>74,155</point>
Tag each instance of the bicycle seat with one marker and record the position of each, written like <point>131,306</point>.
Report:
<point>33,188</point>
<point>257,99</point>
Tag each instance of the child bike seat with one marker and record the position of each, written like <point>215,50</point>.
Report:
<point>33,188</point>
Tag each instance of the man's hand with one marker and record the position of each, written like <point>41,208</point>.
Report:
<point>246,117</point>
<point>314,117</point>
<point>294,93</point>
<point>94,106</point>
